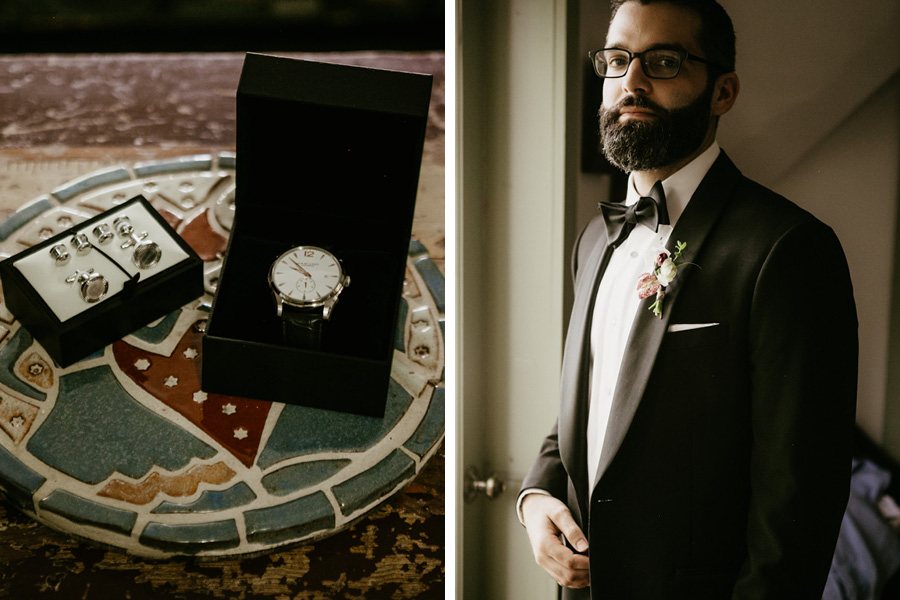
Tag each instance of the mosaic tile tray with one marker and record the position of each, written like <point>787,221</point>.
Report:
<point>124,448</point>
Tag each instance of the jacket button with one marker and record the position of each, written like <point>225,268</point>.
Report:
<point>604,500</point>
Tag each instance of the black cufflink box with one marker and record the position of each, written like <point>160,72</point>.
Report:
<point>328,155</point>
<point>49,300</point>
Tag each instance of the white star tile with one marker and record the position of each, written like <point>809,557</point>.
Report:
<point>142,364</point>
<point>199,396</point>
<point>229,409</point>
<point>240,433</point>
<point>171,381</point>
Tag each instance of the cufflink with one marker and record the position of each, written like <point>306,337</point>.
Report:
<point>103,232</point>
<point>146,252</point>
<point>60,254</point>
<point>92,286</point>
<point>81,243</point>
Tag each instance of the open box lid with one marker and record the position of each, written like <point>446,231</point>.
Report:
<point>329,139</point>
<point>328,155</point>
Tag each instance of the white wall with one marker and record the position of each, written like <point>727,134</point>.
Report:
<point>511,270</point>
<point>850,181</point>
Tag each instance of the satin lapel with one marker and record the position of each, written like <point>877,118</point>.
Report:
<point>648,330</point>
<point>576,363</point>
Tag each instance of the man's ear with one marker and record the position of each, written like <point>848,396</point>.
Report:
<point>725,92</point>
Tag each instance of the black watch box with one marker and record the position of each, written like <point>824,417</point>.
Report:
<point>328,155</point>
<point>55,312</point>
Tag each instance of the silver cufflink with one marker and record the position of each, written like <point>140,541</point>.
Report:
<point>91,285</point>
<point>146,252</point>
<point>103,232</point>
<point>60,254</point>
<point>81,243</point>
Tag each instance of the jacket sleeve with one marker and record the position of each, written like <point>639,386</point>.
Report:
<point>547,472</point>
<point>803,358</point>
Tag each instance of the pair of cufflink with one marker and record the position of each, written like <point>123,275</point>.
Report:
<point>93,286</point>
<point>146,252</point>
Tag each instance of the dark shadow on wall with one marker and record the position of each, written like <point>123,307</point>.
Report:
<point>219,25</point>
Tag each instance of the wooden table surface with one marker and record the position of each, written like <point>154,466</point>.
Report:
<point>62,116</point>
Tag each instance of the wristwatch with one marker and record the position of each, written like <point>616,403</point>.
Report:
<point>306,282</point>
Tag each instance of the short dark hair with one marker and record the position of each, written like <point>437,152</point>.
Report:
<point>717,38</point>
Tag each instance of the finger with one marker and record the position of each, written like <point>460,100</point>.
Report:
<point>572,575</point>
<point>564,521</point>
<point>545,519</point>
<point>566,567</point>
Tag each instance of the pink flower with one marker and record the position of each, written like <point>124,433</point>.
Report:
<point>665,269</point>
<point>648,285</point>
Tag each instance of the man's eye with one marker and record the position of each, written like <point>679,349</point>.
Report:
<point>617,61</point>
<point>665,62</point>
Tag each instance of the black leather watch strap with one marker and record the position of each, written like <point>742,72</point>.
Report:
<point>303,329</point>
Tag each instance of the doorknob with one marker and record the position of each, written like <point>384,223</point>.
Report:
<point>473,485</point>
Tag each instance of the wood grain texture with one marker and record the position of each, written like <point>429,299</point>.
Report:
<point>151,100</point>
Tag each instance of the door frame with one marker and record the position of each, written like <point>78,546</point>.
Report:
<point>516,161</point>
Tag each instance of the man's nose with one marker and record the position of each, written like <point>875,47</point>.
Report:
<point>635,80</point>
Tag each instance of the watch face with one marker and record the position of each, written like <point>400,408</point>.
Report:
<point>307,275</point>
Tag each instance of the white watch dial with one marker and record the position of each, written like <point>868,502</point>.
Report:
<point>307,275</point>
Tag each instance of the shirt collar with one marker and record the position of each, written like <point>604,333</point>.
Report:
<point>681,185</point>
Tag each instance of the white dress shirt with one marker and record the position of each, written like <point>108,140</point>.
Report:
<point>617,299</point>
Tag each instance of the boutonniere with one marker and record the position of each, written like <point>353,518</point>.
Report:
<point>664,272</point>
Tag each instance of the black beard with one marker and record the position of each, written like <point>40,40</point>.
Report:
<point>645,145</point>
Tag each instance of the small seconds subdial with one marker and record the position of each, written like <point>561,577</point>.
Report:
<point>307,275</point>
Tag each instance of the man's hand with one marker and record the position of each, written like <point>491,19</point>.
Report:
<point>545,518</point>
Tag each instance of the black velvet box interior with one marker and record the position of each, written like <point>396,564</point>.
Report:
<point>327,155</point>
<point>153,296</point>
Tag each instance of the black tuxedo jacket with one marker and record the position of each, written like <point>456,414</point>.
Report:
<point>725,468</point>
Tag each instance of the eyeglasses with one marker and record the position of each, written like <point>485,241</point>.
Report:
<point>658,63</point>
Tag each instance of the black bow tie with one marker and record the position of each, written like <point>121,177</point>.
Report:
<point>649,211</point>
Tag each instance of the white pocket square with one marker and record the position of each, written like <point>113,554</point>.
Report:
<point>688,326</point>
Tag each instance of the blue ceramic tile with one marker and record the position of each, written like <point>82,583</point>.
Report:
<point>431,429</point>
<point>99,428</point>
<point>97,179</point>
<point>180,165</point>
<point>211,501</point>
<point>23,215</point>
<point>80,510</point>
<point>226,160</point>
<point>191,538</point>
<point>19,482</point>
<point>9,354</point>
<point>300,476</point>
<point>160,331</point>
<point>93,403</point>
<point>400,330</point>
<point>416,248</point>
<point>334,431</point>
<point>375,483</point>
<point>434,279</point>
<point>290,521</point>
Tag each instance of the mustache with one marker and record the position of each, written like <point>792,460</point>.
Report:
<point>635,102</point>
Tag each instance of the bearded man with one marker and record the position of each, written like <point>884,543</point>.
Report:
<point>708,385</point>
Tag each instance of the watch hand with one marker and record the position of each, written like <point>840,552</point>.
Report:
<point>299,268</point>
